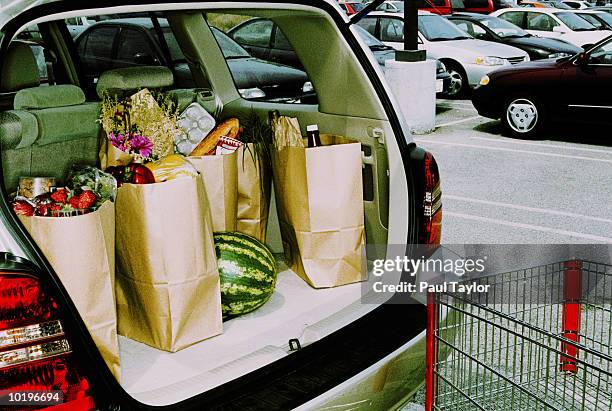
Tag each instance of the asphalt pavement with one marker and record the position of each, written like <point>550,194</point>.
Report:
<point>499,189</point>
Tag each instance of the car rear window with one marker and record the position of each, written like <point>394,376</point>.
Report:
<point>574,22</point>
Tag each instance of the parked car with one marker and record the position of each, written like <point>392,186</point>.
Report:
<point>392,6</point>
<point>442,7</point>
<point>139,45</point>
<point>466,59</point>
<point>555,4</point>
<point>351,7</point>
<point>528,96</point>
<point>263,39</point>
<point>553,23</point>
<point>317,346</point>
<point>578,4</point>
<point>598,18</point>
<point>492,28</point>
<point>607,9</point>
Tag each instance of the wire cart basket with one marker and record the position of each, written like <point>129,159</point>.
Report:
<point>539,339</point>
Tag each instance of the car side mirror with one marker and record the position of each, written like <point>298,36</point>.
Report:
<point>558,29</point>
<point>582,59</point>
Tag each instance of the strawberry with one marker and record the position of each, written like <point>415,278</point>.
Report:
<point>55,210</point>
<point>21,207</point>
<point>87,199</point>
<point>60,196</point>
<point>74,201</point>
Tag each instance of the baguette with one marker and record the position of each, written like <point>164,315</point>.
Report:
<point>228,128</point>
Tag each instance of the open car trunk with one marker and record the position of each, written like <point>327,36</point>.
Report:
<point>297,315</point>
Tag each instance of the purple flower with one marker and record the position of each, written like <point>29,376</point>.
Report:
<point>142,145</point>
<point>117,140</point>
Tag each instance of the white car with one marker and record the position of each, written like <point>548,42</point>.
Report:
<point>578,4</point>
<point>554,23</point>
<point>466,59</point>
<point>392,6</point>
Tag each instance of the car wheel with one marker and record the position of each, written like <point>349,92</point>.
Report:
<point>458,81</point>
<point>523,116</point>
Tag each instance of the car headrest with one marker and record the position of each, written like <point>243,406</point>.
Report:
<point>19,69</point>
<point>38,98</point>
<point>120,81</point>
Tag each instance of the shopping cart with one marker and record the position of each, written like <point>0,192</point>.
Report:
<point>539,339</point>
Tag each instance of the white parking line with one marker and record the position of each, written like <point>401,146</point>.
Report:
<point>540,153</point>
<point>464,120</point>
<point>529,227</point>
<point>529,143</point>
<point>525,208</point>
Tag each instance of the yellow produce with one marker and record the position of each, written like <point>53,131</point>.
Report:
<point>171,167</point>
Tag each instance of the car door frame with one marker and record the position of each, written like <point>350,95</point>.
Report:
<point>601,111</point>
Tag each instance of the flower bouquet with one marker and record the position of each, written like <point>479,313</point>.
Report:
<point>139,128</point>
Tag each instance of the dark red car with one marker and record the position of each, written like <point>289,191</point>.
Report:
<point>527,96</point>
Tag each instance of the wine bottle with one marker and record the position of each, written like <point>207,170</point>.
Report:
<point>312,131</point>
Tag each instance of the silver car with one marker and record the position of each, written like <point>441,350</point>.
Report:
<point>466,59</point>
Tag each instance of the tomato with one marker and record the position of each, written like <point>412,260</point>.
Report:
<point>134,173</point>
<point>139,174</point>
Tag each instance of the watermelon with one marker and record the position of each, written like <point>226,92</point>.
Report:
<point>248,272</point>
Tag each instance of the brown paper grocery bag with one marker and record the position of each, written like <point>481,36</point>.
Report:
<point>81,250</point>
<point>219,174</point>
<point>254,189</point>
<point>168,290</point>
<point>320,210</point>
<point>110,155</point>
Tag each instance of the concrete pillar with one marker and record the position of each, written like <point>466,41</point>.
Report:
<point>414,85</point>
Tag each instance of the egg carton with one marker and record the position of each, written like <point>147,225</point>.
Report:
<point>195,124</point>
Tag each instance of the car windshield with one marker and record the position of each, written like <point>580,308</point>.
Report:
<point>503,28</point>
<point>574,22</point>
<point>436,28</point>
<point>230,49</point>
<point>370,40</point>
<point>399,5</point>
<point>607,17</point>
<point>593,20</point>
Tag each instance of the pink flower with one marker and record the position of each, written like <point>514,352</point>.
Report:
<point>142,145</point>
<point>117,140</point>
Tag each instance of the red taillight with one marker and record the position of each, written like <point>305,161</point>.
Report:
<point>431,230</point>
<point>35,354</point>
